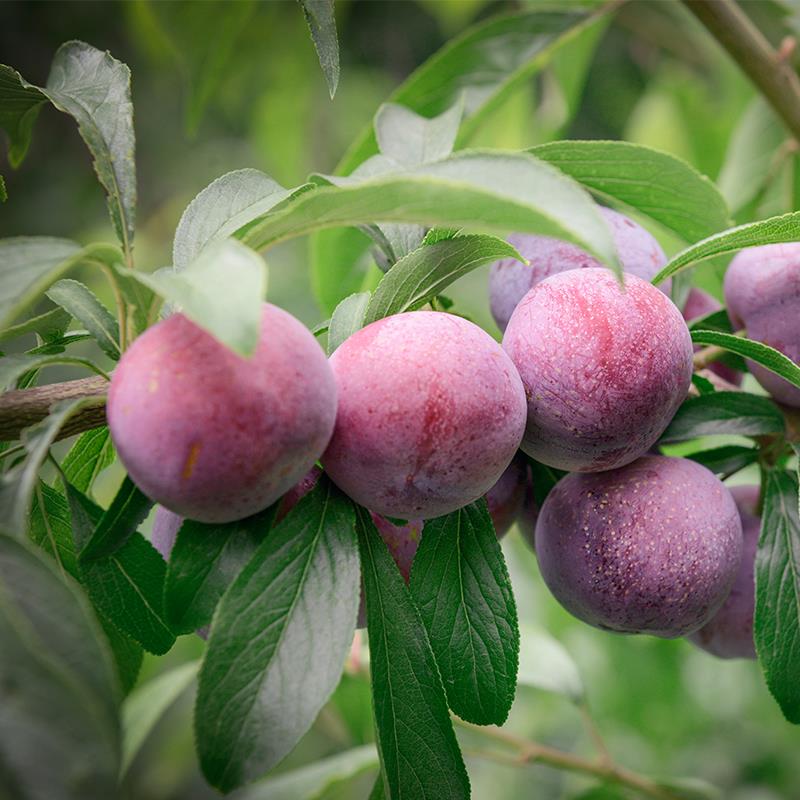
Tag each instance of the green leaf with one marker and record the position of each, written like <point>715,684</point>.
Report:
<point>127,511</point>
<point>785,228</point>
<point>322,24</point>
<point>715,321</point>
<point>59,731</point>
<point>659,185</point>
<point>222,290</point>
<point>126,587</point>
<point>727,459</point>
<point>223,207</point>
<point>18,483</point>
<point>724,413</point>
<point>491,189</point>
<point>28,265</point>
<point>82,304</point>
<point>689,789</point>
<point>13,367</point>
<point>50,325</point>
<point>348,317</point>
<point>278,641</point>
<point>410,139</point>
<point>313,781</point>
<point>3,191</point>
<point>460,584</point>
<point>763,354</point>
<point>777,614</point>
<point>92,452</point>
<point>144,707</point>
<point>543,479</point>
<point>341,265</point>
<point>419,753</point>
<point>204,562</point>
<point>545,664</point>
<point>128,654</point>
<point>418,277</point>
<point>20,104</point>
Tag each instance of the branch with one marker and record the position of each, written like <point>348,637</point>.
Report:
<point>22,408</point>
<point>770,70</point>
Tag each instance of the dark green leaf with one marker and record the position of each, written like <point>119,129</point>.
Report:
<point>50,325</point>
<point>460,584</point>
<point>727,459</point>
<point>703,385</point>
<point>128,654</point>
<point>92,452</point>
<point>715,321</point>
<point>411,139</point>
<point>724,413</point>
<point>49,528</point>
<point>59,731</point>
<point>419,753</point>
<point>204,562</point>
<point>378,788</point>
<point>20,104</point>
<point>278,641</point>
<point>348,317</point>
<point>777,615</point>
<point>543,479</point>
<point>82,304</point>
<point>322,24</point>
<point>15,366</point>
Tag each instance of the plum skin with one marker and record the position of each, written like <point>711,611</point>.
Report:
<point>604,370</point>
<point>213,436</point>
<point>431,412</point>
<point>510,280</point>
<point>729,633</point>
<point>652,547</point>
<point>762,292</point>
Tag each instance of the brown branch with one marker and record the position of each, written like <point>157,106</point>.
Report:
<point>24,407</point>
<point>767,68</point>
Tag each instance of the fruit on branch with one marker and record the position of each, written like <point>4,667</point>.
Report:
<point>729,633</point>
<point>699,304</point>
<point>604,369</point>
<point>431,412</point>
<point>213,436</point>
<point>762,292</point>
<point>653,547</point>
<point>510,280</point>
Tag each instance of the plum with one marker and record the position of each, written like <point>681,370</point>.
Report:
<point>699,304</point>
<point>729,633</point>
<point>762,292</point>
<point>431,412</point>
<point>529,514</point>
<point>166,525</point>
<point>604,370</point>
<point>510,280</point>
<point>213,436</point>
<point>652,547</point>
<point>506,498</point>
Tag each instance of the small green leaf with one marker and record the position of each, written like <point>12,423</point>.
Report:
<point>145,706</point>
<point>460,584</point>
<point>785,228</point>
<point>777,615</point>
<point>222,291</point>
<point>128,654</point>
<point>724,413</point>
<point>58,693</point>
<point>92,452</point>
<point>279,640</point>
<point>50,325</point>
<point>715,321</point>
<point>348,317</point>
<point>545,664</point>
<point>322,24</point>
<point>13,367</point>
<point>82,304</point>
<point>20,104</point>
<point>411,139</point>
<point>727,459</point>
<point>419,753</point>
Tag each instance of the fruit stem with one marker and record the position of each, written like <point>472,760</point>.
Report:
<point>708,355</point>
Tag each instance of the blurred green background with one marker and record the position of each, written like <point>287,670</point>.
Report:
<point>223,85</point>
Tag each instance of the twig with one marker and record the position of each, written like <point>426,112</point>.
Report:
<point>707,356</point>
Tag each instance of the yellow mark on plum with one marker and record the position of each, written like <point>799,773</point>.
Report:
<point>191,460</point>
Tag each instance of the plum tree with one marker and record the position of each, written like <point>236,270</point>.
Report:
<point>699,304</point>
<point>604,370</point>
<point>510,280</point>
<point>729,633</point>
<point>652,547</point>
<point>762,291</point>
<point>211,435</point>
<point>431,412</point>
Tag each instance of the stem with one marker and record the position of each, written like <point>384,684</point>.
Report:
<point>767,68</point>
<point>707,356</point>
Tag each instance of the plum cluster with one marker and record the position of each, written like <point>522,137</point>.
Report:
<point>421,413</point>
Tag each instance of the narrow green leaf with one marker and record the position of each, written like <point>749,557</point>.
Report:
<point>545,664</point>
<point>222,291</point>
<point>278,641</point>
<point>348,317</point>
<point>460,584</point>
<point>322,24</point>
<point>82,304</point>
<point>13,367</point>
<point>58,696</point>
<point>204,562</point>
<point>50,325</point>
<point>777,615</point>
<point>144,707</point>
<point>418,277</point>
<point>92,452</point>
<point>727,459</point>
<point>128,654</point>
<point>659,185</point>
<point>419,753</point>
<point>378,788</point>
<point>411,139</point>
<point>763,354</point>
<point>715,321</point>
<point>20,104</point>
<point>785,228</point>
